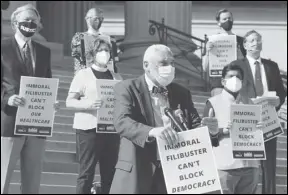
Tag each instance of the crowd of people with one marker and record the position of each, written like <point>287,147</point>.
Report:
<point>129,160</point>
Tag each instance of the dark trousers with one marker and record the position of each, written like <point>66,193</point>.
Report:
<point>92,148</point>
<point>268,167</point>
<point>158,183</point>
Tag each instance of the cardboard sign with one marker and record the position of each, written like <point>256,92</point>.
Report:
<point>272,127</point>
<point>247,140</point>
<point>189,167</point>
<point>223,52</point>
<point>36,117</point>
<point>105,89</point>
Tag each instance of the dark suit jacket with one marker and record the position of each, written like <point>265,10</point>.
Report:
<point>273,76</point>
<point>133,119</point>
<point>13,68</point>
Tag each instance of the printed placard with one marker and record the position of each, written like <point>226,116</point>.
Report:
<point>247,140</point>
<point>223,52</point>
<point>36,117</point>
<point>105,90</point>
<point>272,127</point>
<point>189,167</point>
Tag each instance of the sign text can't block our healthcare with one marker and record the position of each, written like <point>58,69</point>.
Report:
<point>36,117</point>
<point>247,140</point>
<point>223,52</point>
<point>189,166</point>
<point>105,90</point>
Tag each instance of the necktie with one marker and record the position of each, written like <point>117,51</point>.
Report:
<point>27,59</point>
<point>258,80</point>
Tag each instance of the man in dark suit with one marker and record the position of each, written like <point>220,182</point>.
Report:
<point>224,19</point>
<point>261,76</point>
<point>139,118</point>
<point>21,57</point>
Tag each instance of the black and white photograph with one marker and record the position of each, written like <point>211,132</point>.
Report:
<point>143,97</point>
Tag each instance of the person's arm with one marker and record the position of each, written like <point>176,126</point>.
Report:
<point>75,93</point>
<point>280,90</point>
<point>126,122</point>
<point>76,52</point>
<point>214,139</point>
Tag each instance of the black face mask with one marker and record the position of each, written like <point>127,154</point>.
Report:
<point>227,26</point>
<point>27,29</point>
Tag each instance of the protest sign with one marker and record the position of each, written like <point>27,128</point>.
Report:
<point>223,52</point>
<point>189,167</point>
<point>89,43</point>
<point>272,126</point>
<point>247,140</point>
<point>105,90</point>
<point>36,117</point>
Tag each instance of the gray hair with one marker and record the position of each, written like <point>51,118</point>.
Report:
<point>94,9</point>
<point>250,33</point>
<point>156,48</point>
<point>25,8</point>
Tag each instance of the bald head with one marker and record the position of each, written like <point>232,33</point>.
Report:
<point>157,53</point>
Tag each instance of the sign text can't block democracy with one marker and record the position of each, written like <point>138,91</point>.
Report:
<point>247,140</point>
<point>36,117</point>
<point>223,52</point>
<point>189,166</point>
<point>105,90</point>
<point>272,127</point>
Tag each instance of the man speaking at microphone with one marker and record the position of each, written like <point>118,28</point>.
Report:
<point>139,118</point>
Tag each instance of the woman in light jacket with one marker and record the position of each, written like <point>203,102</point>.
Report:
<point>91,146</point>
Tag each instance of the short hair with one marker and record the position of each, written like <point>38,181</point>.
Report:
<point>98,11</point>
<point>91,52</point>
<point>232,66</point>
<point>250,33</point>
<point>25,8</point>
<point>154,49</point>
<point>217,17</point>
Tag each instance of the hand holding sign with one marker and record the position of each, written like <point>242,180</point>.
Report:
<point>97,104</point>
<point>209,46</point>
<point>211,122</point>
<point>274,101</point>
<point>57,105</point>
<point>166,133</point>
<point>16,100</point>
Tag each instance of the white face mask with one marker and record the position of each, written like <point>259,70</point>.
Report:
<point>233,84</point>
<point>102,58</point>
<point>165,75</point>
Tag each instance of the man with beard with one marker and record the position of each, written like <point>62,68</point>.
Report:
<point>82,59</point>
<point>224,20</point>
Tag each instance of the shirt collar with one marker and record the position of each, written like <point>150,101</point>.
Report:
<point>252,60</point>
<point>149,82</point>
<point>21,42</point>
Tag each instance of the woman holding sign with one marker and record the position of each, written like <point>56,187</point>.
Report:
<point>84,96</point>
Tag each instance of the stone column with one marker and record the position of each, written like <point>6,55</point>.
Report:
<point>6,22</point>
<point>177,14</point>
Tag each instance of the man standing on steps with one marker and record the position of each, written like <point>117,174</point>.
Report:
<point>82,59</point>
<point>261,77</point>
<point>139,118</point>
<point>21,57</point>
<point>224,20</point>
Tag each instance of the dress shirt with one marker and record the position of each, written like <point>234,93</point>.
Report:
<point>21,43</point>
<point>158,101</point>
<point>263,73</point>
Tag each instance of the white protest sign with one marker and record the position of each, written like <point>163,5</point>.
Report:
<point>272,126</point>
<point>36,117</point>
<point>189,167</point>
<point>247,140</point>
<point>105,90</point>
<point>223,52</point>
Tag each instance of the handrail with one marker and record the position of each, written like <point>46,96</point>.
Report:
<point>164,33</point>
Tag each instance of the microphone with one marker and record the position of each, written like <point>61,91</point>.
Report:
<point>179,113</point>
<point>168,113</point>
